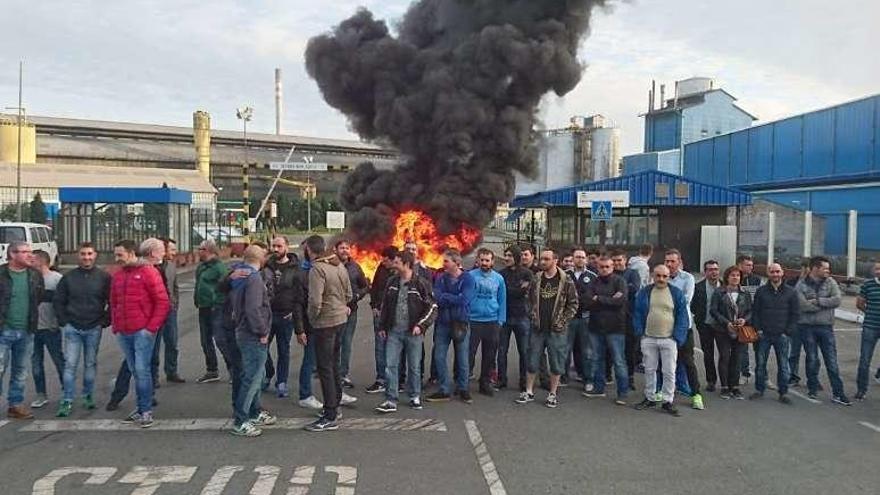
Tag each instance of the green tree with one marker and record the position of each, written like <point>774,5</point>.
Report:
<point>38,210</point>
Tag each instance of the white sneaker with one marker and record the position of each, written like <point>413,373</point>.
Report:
<point>347,400</point>
<point>264,419</point>
<point>39,402</point>
<point>311,402</point>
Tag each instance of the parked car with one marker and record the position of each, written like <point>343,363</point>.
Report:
<point>37,235</point>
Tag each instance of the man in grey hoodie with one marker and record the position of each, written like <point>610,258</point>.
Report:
<point>819,295</point>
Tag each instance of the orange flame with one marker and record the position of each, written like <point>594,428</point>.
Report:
<point>417,226</point>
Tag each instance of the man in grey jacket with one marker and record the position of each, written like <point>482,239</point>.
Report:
<point>818,295</point>
<point>168,334</point>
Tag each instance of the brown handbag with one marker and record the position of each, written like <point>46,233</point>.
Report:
<point>746,334</point>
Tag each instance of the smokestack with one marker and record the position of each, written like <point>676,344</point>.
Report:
<point>654,94</point>
<point>455,88</point>
<point>675,99</point>
<point>202,142</point>
<point>662,96</point>
<point>277,101</point>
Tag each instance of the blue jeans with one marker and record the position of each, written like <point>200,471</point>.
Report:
<point>379,350</point>
<point>443,336</point>
<point>869,342</point>
<point>281,332</point>
<point>307,368</point>
<point>412,346</point>
<point>51,340</point>
<point>616,342</point>
<point>347,338</point>
<point>168,336</point>
<point>579,334</point>
<point>16,348</point>
<point>520,328</point>
<point>138,351</point>
<point>782,347</point>
<point>80,344</point>
<point>253,365</point>
<point>821,337</point>
<point>794,357</point>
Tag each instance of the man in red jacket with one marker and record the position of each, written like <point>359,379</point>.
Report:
<point>138,307</point>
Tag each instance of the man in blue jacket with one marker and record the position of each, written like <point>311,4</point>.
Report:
<point>661,318</point>
<point>488,314</point>
<point>453,291</point>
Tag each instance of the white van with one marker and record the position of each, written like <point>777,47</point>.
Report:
<point>37,235</point>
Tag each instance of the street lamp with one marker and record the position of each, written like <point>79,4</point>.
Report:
<point>245,114</point>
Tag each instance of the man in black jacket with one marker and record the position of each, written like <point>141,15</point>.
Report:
<point>408,310</point>
<point>606,298</point>
<point>287,312</point>
<point>775,314</point>
<point>81,305</point>
<point>703,318</point>
<point>21,290</point>
<point>518,279</point>
<point>377,294</point>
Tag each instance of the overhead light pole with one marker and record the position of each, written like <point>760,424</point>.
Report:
<point>245,114</point>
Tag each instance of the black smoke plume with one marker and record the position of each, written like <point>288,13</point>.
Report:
<point>456,91</point>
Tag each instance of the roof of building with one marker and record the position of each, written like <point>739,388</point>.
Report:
<point>57,175</point>
<point>126,195</point>
<point>693,100</point>
<point>643,191</point>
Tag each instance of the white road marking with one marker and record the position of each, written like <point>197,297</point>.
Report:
<point>265,483</point>
<point>869,425</point>
<point>490,473</point>
<point>97,476</point>
<point>3,422</point>
<point>148,478</point>
<point>218,424</point>
<point>220,479</point>
<point>303,476</point>
<point>346,478</point>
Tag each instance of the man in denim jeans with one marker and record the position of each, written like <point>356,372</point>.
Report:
<point>21,289</point>
<point>408,310</point>
<point>819,295</point>
<point>453,291</point>
<point>139,305</point>
<point>518,279</point>
<point>81,305</point>
<point>869,302</point>
<point>775,314</point>
<point>607,299</point>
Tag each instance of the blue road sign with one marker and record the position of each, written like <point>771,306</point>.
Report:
<point>601,210</point>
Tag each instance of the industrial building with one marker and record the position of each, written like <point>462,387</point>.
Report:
<point>587,150</point>
<point>826,161</point>
<point>697,110</point>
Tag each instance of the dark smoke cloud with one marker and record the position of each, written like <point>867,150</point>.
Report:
<point>456,91</point>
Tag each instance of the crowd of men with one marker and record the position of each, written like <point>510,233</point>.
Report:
<point>597,317</point>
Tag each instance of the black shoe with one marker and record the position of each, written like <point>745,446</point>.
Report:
<point>375,388</point>
<point>347,383</point>
<point>736,394</point>
<point>645,404</point>
<point>487,391</point>
<point>208,377</point>
<point>756,395</point>
<point>438,397</point>
<point>415,404</point>
<point>563,381</point>
<point>175,378</point>
<point>322,424</point>
<point>785,399</point>
<point>860,396</point>
<point>670,409</point>
<point>725,394</point>
<point>794,381</point>
<point>500,386</point>
<point>465,396</point>
<point>710,387</point>
<point>842,400</point>
<point>112,406</point>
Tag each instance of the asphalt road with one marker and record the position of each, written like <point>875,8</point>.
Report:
<point>586,446</point>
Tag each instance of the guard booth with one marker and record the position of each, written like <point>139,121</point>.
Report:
<point>625,212</point>
<point>106,215</point>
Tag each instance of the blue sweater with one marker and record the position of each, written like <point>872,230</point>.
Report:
<point>490,297</point>
<point>454,297</point>
<point>682,313</point>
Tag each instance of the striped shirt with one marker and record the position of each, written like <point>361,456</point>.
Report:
<point>871,293</point>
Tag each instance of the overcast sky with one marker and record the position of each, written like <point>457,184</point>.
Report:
<point>158,61</point>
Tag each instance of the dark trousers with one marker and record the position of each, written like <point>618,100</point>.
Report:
<point>281,332</point>
<point>728,360</point>
<point>484,335</point>
<point>206,336</point>
<point>228,346</point>
<point>168,337</point>
<point>328,342</point>
<point>50,339</point>
<point>520,328</point>
<point>707,344</point>
<point>686,357</point>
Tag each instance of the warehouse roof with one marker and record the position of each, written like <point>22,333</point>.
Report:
<point>649,188</point>
<point>58,175</point>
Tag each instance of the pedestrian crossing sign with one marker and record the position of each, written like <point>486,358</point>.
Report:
<point>601,210</point>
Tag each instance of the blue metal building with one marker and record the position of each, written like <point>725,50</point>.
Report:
<point>826,161</point>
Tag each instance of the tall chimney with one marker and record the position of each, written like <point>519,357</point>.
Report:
<point>662,95</point>
<point>653,93</point>
<point>202,142</point>
<point>278,101</point>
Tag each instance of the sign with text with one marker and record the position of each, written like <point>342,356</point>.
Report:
<point>618,199</point>
<point>299,166</point>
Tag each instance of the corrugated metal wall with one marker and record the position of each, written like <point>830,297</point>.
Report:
<point>810,148</point>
